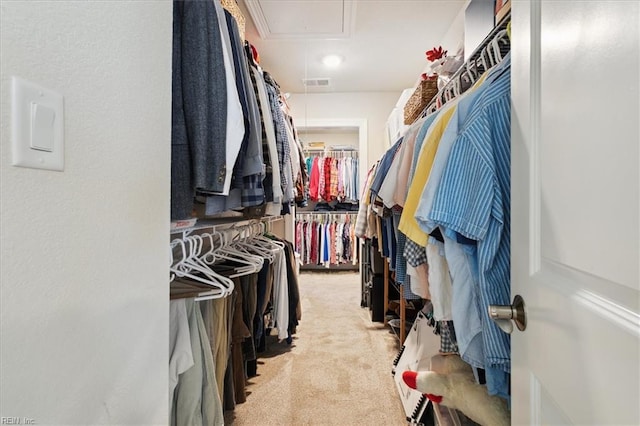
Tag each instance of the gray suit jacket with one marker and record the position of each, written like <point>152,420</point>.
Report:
<point>199,113</point>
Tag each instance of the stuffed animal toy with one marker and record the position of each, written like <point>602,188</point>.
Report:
<point>453,384</point>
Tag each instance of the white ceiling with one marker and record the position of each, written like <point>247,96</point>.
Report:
<point>303,19</point>
<point>383,42</point>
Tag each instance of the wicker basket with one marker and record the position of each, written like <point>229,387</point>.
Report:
<point>420,98</point>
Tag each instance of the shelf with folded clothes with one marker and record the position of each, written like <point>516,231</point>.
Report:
<point>334,206</point>
<point>331,268</point>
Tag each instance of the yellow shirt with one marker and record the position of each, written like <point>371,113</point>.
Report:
<point>408,224</point>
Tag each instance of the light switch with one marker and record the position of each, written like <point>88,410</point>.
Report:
<point>42,121</point>
<point>37,126</point>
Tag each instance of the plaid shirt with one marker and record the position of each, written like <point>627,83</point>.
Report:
<point>406,289</point>
<point>282,140</point>
<point>416,254</point>
<point>362,220</point>
<point>253,193</point>
<point>448,341</point>
<point>268,179</point>
<point>333,191</point>
<point>341,178</point>
<point>327,178</point>
<point>321,178</point>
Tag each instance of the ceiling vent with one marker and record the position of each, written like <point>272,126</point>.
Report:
<point>287,19</point>
<point>316,82</point>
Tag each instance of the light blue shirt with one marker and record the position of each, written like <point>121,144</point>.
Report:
<point>460,115</point>
<point>465,309</point>
<point>473,199</point>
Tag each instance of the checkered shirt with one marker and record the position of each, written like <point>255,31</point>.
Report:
<point>416,254</point>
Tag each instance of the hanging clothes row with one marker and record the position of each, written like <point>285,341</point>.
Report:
<point>234,143</point>
<point>332,177</point>
<point>439,203</point>
<point>335,153</point>
<point>229,289</point>
<point>326,239</point>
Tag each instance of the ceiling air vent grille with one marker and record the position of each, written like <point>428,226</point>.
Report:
<point>316,82</point>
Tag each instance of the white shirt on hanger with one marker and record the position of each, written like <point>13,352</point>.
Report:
<point>235,117</point>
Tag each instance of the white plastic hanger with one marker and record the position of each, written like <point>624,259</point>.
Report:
<point>255,246</point>
<point>172,276</point>
<point>208,276</point>
<point>456,86</point>
<point>209,257</point>
<point>469,72</point>
<point>198,260</point>
<point>262,237</point>
<point>253,263</point>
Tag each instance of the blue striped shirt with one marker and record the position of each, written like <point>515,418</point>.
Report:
<point>473,200</point>
<point>464,108</point>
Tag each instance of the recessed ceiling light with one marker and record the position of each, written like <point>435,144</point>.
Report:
<point>332,61</point>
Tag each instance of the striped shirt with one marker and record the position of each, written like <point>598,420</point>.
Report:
<point>327,178</point>
<point>342,168</point>
<point>282,140</point>
<point>321,178</point>
<point>465,106</point>
<point>272,185</point>
<point>333,189</point>
<point>473,200</point>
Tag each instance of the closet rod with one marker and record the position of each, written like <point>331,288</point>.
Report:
<point>320,216</point>
<point>345,152</point>
<point>477,58</point>
<point>327,213</point>
<point>325,149</point>
<point>213,225</point>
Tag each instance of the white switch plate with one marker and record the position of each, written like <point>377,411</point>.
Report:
<point>37,126</point>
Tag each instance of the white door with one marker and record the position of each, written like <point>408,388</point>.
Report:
<point>575,211</point>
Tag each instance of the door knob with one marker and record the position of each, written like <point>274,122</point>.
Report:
<point>504,314</point>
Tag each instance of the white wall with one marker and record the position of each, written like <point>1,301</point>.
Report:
<point>372,106</point>
<point>452,41</point>
<point>454,38</point>
<point>84,259</point>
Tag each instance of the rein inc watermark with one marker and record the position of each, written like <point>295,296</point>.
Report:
<point>17,421</point>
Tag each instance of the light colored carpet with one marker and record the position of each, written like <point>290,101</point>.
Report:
<point>337,370</point>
